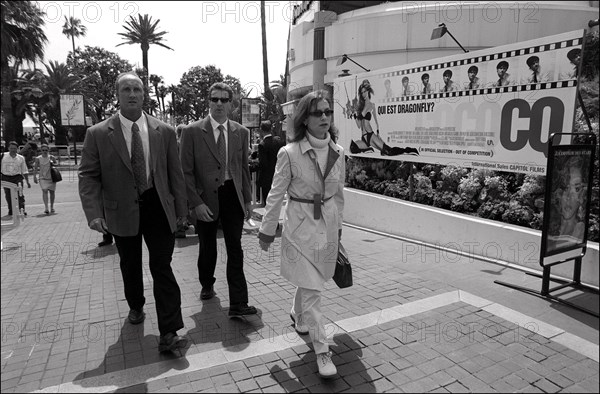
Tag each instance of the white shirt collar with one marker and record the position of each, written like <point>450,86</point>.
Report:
<point>216,124</point>
<point>128,123</point>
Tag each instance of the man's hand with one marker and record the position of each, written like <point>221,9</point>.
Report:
<point>264,245</point>
<point>99,224</point>
<point>203,213</point>
<point>248,210</point>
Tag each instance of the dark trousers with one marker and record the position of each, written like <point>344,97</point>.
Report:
<point>232,222</point>
<point>16,179</point>
<point>265,189</point>
<point>154,227</point>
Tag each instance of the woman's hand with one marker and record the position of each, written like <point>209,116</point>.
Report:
<point>264,245</point>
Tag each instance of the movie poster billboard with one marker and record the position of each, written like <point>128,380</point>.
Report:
<point>568,194</point>
<point>492,109</point>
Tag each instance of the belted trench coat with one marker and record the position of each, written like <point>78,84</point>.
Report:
<point>309,246</point>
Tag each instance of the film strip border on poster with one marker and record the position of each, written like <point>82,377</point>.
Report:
<point>486,58</point>
<point>484,91</point>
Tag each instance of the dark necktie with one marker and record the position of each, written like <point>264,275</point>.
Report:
<point>222,150</point>
<point>446,88</point>
<point>471,85</point>
<point>138,163</point>
<point>499,81</point>
<point>535,77</point>
<point>424,90</point>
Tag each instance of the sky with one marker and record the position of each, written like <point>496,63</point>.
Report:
<point>224,34</point>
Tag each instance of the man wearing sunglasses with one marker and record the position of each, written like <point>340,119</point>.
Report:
<point>214,158</point>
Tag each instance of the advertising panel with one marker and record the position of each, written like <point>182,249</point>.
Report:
<point>568,198</point>
<point>250,112</point>
<point>491,109</point>
<point>72,110</point>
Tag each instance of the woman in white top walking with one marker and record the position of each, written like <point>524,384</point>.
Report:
<point>42,164</point>
<point>311,170</point>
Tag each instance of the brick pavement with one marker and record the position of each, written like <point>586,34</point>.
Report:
<point>397,329</point>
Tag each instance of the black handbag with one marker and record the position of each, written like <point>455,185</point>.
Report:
<point>55,174</point>
<point>343,270</point>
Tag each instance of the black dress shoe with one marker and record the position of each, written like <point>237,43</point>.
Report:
<point>207,293</point>
<point>136,317</point>
<point>104,243</point>
<point>171,341</point>
<point>241,310</point>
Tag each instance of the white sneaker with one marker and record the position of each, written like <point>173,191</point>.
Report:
<point>301,329</point>
<point>326,367</point>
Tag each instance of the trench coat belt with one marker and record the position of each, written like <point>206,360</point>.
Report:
<point>304,200</point>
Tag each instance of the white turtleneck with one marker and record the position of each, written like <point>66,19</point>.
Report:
<point>321,148</point>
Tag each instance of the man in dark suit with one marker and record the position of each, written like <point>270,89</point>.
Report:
<point>267,158</point>
<point>214,158</point>
<point>131,185</point>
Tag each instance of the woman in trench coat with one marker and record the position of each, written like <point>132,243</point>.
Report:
<point>311,170</point>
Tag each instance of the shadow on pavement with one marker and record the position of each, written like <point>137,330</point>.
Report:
<point>213,326</point>
<point>136,349</point>
<point>303,373</point>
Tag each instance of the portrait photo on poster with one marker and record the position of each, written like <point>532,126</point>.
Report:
<point>568,198</point>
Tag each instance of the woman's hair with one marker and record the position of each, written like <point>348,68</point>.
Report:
<point>301,113</point>
<point>365,85</point>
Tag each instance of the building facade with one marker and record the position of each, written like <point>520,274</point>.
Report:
<point>383,34</point>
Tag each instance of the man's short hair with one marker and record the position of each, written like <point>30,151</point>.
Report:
<point>502,64</point>
<point>124,74</point>
<point>405,79</point>
<point>532,59</point>
<point>448,73</point>
<point>265,126</point>
<point>573,53</point>
<point>473,69</point>
<point>13,143</point>
<point>221,86</point>
<point>424,76</point>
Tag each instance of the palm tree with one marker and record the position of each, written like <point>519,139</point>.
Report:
<point>155,80</point>
<point>264,46</point>
<point>58,80</point>
<point>144,32</point>
<point>74,28</point>
<point>22,39</point>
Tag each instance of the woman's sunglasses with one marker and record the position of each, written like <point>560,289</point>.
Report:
<point>216,99</point>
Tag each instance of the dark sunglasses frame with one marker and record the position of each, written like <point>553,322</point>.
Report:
<point>224,100</point>
<point>319,113</point>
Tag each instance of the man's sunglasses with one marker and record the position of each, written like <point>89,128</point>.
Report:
<point>319,113</point>
<point>216,99</point>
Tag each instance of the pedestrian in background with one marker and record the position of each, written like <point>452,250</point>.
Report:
<point>311,170</point>
<point>214,158</point>
<point>267,158</point>
<point>131,184</point>
<point>42,165</point>
<point>14,170</point>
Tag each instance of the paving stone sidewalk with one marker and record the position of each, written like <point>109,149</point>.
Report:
<point>64,323</point>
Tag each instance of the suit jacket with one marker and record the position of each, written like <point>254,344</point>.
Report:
<point>202,167</point>
<point>106,182</point>
<point>267,158</point>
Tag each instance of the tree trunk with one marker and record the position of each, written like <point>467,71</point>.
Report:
<point>264,46</point>
<point>74,57</point>
<point>145,48</point>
